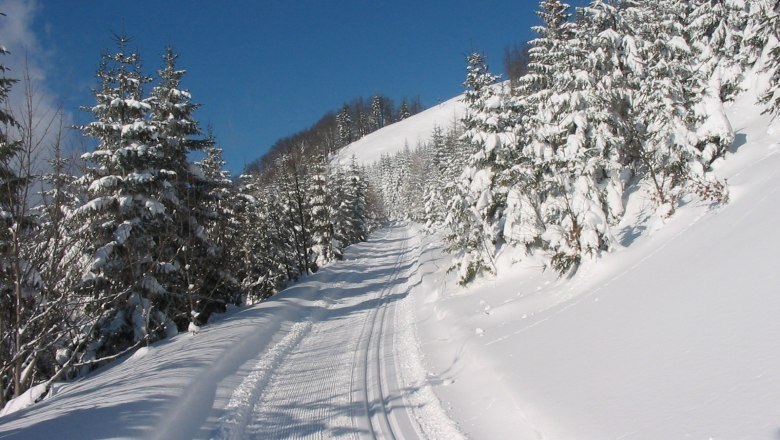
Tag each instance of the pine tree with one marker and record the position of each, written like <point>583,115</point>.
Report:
<point>353,207</point>
<point>770,29</point>
<point>403,111</point>
<point>534,173</point>
<point>612,64</point>
<point>193,277</point>
<point>344,124</point>
<point>125,219</point>
<point>321,213</point>
<point>479,190</point>
<point>715,30</point>
<point>669,155</point>
<point>434,203</point>
<point>377,118</point>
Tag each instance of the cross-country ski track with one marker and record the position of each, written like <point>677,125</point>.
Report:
<point>335,374</point>
<point>333,356</point>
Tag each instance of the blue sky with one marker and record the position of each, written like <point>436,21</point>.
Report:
<point>266,69</point>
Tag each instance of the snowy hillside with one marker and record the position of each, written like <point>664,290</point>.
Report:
<point>392,138</point>
<point>674,336</point>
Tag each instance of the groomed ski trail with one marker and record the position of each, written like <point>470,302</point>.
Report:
<point>351,370</point>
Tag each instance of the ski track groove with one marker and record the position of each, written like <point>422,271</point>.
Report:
<point>374,346</point>
<point>339,374</point>
<point>314,391</point>
<point>231,425</point>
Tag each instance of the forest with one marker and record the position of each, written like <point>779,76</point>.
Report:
<point>135,241</point>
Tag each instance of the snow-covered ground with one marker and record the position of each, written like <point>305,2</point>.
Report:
<point>676,335</point>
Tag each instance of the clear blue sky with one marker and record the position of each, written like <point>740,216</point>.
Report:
<point>265,69</point>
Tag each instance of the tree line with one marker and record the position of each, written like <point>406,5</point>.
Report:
<point>616,95</point>
<point>336,130</point>
<point>136,241</point>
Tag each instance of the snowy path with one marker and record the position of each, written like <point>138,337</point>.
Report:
<point>338,373</point>
<point>331,376</point>
<point>333,356</point>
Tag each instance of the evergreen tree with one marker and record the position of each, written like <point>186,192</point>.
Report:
<point>403,111</point>
<point>355,226</point>
<point>125,219</point>
<point>434,203</point>
<point>193,279</point>
<point>669,154</point>
<point>344,123</point>
<point>321,213</point>
<point>479,192</point>
<point>377,118</point>
<point>770,29</point>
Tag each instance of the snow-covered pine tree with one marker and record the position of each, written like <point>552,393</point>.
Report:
<point>125,220</point>
<point>219,202</point>
<point>196,283</point>
<point>403,111</point>
<point>434,202</point>
<point>252,253</point>
<point>275,247</point>
<point>574,164</point>
<point>338,197</point>
<point>354,204</point>
<point>715,31</point>
<point>321,212</point>
<point>377,118</point>
<point>610,58</point>
<point>559,167</point>
<point>537,130</point>
<point>344,126</point>
<point>759,29</point>
<point>770,29</point>
<point>475,202</point>
<point>670,158</point>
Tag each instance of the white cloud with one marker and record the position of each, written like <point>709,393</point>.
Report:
<point>27,58</point>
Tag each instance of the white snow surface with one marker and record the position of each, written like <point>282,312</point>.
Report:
<point>674,336</point>
<point>393,138</point>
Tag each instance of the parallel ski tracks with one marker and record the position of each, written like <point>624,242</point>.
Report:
<point>327,378</point>
<point>368,371</point>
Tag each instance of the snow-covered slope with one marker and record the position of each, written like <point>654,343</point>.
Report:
<point>674,336</point>
<point>392,138</point>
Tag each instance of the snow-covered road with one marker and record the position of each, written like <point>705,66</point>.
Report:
<point>334,356</point>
